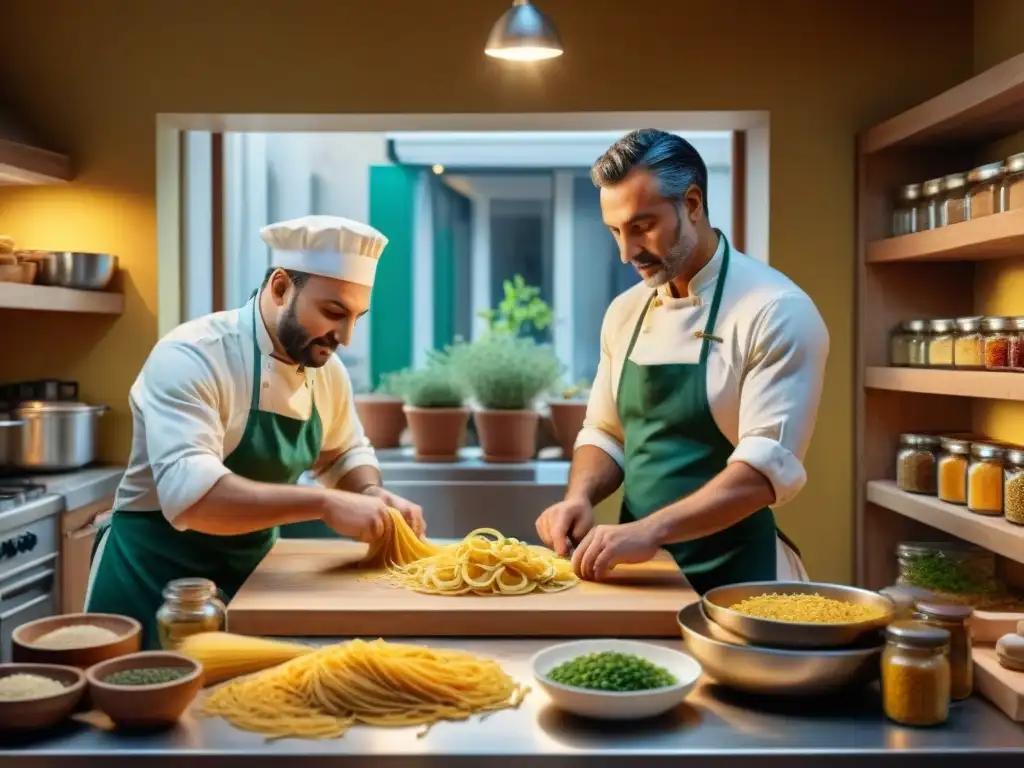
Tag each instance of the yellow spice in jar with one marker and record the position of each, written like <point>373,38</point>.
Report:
<point>985,488</point>
<point>940,351</point>
<point>915,694</point>
<point>967,352</point>
<point>953,479</point>
<point>1014,504</point>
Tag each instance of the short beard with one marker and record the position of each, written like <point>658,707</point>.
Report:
<point>678,255</point>
<point>298,344</point>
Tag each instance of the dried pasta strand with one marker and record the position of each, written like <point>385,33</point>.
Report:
<point>224,655</point>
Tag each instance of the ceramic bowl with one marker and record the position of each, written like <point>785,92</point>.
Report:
<point>24,649</point>
<point>145,706</point>
<point>47,711</point>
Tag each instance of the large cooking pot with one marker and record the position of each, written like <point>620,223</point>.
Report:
<point>55,436</point>
<point>10,432</point>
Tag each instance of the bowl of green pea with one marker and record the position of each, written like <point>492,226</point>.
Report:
<point>149,689</point>
<point>615,679</point>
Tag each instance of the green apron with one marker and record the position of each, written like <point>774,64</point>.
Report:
<point>673,447</point>
<point>143,551</point>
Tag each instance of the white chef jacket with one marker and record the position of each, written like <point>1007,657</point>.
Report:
<point>764,379</point>
<point>191,402</point>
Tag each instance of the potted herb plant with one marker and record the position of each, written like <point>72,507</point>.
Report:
<point>381,411</point>
<point>435,398</point>
<point>568,409</point>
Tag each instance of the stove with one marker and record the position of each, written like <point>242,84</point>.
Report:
<point>16,491</point>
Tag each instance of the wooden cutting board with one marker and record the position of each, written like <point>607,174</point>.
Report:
<point>1003,687</point>
<point>308,588</point>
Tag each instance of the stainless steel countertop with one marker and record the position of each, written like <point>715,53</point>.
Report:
<point>82,487</point>
<point>714,727</point>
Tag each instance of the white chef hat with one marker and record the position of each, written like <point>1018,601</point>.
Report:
<point>326,245</point>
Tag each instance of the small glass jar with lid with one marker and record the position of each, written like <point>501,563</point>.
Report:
<point>916,334</point>
<point>927,216</point>
<point>948,567</point>
<point>952,469</point>
<point>1013,183</point>
<point>916,462</point>
<point>904,213</point>
<point>190,606</point>
<point>985,479</point>
<point>952,202</point>
<point>968,346</point>
<point>915,674</point>
<point>983,190</point>
<point>1015,352</point>
<point>1013,486</point>
<point>940,343</point>
<point>997,332</point>
<point>899,347</point>
<point>954,619</point>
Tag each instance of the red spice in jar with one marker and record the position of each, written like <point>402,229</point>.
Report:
<point>997,352</point>
<point>1016,354</point>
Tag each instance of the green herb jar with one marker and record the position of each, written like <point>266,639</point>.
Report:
<point>949,570</point>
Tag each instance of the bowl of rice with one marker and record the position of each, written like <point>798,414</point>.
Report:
<point>798,614</point>
<point>37,696</point>
<point>76,639</point>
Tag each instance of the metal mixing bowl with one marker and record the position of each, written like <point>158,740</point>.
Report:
<point>85,271</point>
<point>789,634</point>
<point>774,671</point>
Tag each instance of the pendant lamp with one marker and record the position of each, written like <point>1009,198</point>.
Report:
<point>523,33</point>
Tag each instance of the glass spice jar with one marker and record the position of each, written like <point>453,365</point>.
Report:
<point>985,479</point>
<point>915,463</point>
<point>952,202</point>
<point>1013,486</point>
<point>899,347</point>
<point>916,673</point>
<point>916,334</point>
<point>928,205</point>
<point>954,619</point>
<point>1013,183</point>
<point>952,470</point>
<point>1015,352</point>
<point>190,606</point>
<point>940,343</point>
<point>983,190</point>
<point>968,346</point>
<point>904,214</point>
<point>949,568</point>
<point>996,333</point>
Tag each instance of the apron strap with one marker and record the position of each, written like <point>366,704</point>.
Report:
<point>716,302</point>
<point>257,358</point>
<point>639,325</point>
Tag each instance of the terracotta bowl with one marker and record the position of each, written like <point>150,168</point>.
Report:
<point>45,712</point>
<point>24,649</point>
<point>145,706</point>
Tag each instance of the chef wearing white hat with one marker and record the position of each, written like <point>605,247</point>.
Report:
<point>230,410</point>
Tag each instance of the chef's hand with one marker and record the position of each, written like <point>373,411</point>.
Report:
<point>412,513</point>
<point>357,515</point>
<point>609,545</point>
<point>562,525</point>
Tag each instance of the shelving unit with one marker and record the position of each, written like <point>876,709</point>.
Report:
<point>50,299</point>
<point>922,275</point>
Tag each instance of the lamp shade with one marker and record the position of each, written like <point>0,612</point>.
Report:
<point>523,33</point>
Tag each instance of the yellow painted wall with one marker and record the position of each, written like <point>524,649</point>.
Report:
<point>94,74</point>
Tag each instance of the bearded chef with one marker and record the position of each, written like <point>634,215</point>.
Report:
<point>706,393</point>
<point>229,410</point>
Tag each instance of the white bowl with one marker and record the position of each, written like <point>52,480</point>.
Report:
<point>612,705</point>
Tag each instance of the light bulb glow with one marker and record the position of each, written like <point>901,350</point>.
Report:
<point>524,53</point>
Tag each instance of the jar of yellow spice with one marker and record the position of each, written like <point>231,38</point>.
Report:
<point>1013,488</point>
<point>985,479</point>
<point>940,343</point>
<point>952,470</point>
<point>916,674</point>
<point>969,346</point>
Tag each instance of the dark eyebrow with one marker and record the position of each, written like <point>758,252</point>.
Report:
<point>335,304</point>
<point>636,219</point>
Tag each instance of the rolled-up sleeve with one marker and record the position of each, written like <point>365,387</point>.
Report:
<point>180,402</point>
<point>780,392</point>
<point>601,426</point>
<point>345,446</point>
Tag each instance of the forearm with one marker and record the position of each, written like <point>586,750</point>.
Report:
<point>360,479</point>
<point>594,475</point>
<point>236,505</point>
<point>732,495</point>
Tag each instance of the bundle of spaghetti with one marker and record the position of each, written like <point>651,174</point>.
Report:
<point>324,693</point>
<point>486,563</point>
<point>398,546</point>
<point>224,655</point>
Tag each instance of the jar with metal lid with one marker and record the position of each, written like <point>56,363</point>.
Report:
<point>945,568</point>
<point>904,214</point>
<point>190,606</point>
<point>954,619</point>
<point>1013,486</point>
<point>915,332</point>
<point>1013,183</point>
<point>952,470</point>
<point>927,216</point>
<point>952,202</point>
<point>996,332</point>
<point>983,190</point>
<point>915,463</point>
<point>985,479</point>
<point>940,343</point>
<point>968,346</point>
<point>1015,351</point>
<point>915,673</point>
<point>899,346</point>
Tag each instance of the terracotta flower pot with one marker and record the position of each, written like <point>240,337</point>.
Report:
<point>507,436</point>
<point>437,433</point>
<point>567,417</point>
<point>383,419</point>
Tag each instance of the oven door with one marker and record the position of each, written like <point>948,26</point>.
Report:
<point>27,594</point>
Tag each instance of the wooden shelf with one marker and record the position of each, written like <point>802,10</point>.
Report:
<point>45,298</point>
<point>25,164</point>
<point>993,533</point>
<point>988,105</point>
<point>998,236</point>
<point>990,385</point>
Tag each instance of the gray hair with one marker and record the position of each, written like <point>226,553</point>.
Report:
<point>671,159</point>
